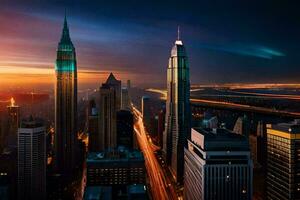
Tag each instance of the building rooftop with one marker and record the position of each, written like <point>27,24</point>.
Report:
<point>290,127</point>
<point>218,139</point>
<point>120,154</point>
<point>31,122</point>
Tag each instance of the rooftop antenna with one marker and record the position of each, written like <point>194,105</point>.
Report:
<point>178,32</point>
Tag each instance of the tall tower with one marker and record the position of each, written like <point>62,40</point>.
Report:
<point>178,113</point>
<point>107,117</point>
<point>31,160</point>
<point>65,104</point>
<point>116,84</point>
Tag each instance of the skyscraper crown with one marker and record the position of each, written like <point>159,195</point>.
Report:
<point>178,49</point>
<point>65,37</point>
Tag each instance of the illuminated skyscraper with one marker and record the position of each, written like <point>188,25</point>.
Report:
<point>283,160</point>
<point>65,104</point>
<point>178,113</point>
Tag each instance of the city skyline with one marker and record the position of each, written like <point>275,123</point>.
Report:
<point>219,45</point>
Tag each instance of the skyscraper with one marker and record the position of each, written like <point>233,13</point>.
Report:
<point>65,104</point>
<point>178,115</point>
<point>217,166</point>
<point>283,160</point>
<point>107,117</point>
<point>31,160</point>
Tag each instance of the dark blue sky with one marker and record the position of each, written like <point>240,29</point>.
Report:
<point>227,41</point>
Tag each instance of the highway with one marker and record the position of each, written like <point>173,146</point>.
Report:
<point>161,189</point>
<point>237,106</point>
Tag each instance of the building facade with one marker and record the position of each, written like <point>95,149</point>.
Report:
<point>125,129</point>
<point>93,127</point>
<point>178,115</point>
<point>116,84</point>
<point>31,160</point>
<point>283,161</point>
<point>217,166</point>
<point>107,117</point>
<point>65,104</point>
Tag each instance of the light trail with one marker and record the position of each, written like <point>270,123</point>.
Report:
<point>159,183</point>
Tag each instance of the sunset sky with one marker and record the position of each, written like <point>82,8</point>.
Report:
<point>226,42</point>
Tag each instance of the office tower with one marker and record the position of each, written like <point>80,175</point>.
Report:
<point>125,99</point>
<point>217,166</point>
<point>242,126</point>
<point>178,115</point>
<point>93,127</point>
<point>31,160</point>
<point>125,129</point>
<point>65,105</point>
<point>146,112</point>
<point>13,123</point>
<point>116,84</point>
<point>283,160</point>
<point>107,117</point>
<point>115,168</point>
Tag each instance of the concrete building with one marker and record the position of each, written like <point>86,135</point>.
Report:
<point>217,166</point>
<point>283,160</point>
<point>31,160</point>
<point>178,114</point>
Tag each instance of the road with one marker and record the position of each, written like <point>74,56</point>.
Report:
<point>161,188</point>
<point>223,104</point>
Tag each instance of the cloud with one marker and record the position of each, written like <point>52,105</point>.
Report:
<point>246,50</point>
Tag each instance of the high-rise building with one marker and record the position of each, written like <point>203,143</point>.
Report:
<point>125,129</point>
<point>31,160</point>
<point>146,112</point>
<point>283,161</point>
<point>93,127</point>
<point>13,123</point>
<point>178,115</point>
<point>116,84</point>
<point>217,166</point>
<point>107,117</point>
<point>65,104</point>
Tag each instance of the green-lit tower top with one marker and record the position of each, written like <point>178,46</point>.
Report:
<point>66,57</point>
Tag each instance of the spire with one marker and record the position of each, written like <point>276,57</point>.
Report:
<point>178,32</point>
<point>65,37</point>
